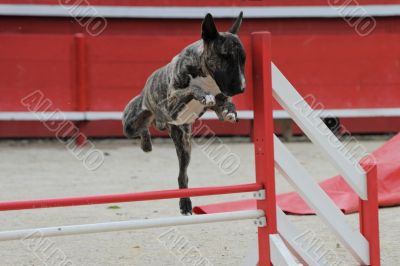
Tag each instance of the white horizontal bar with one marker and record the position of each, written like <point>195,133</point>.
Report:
<point>318,132</point>
<point>42,116</point>
<point>103,116</point>
<point>299,178</point>
<point>327,113</point>
<point>280,254</point>
<point>209,115</point>
<point>359,112</point>
<point>128,225</point>
<point>171,12</point>
<point>244,114</point>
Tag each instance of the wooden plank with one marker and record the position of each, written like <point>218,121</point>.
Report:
<point>290,233</point>
<point>318,132</point>
<point>297,176</point>
<point>280,254</point>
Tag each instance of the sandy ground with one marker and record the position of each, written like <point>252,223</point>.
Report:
<point>41,169</point>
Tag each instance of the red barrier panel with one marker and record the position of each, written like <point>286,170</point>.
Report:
<point>357,72</point>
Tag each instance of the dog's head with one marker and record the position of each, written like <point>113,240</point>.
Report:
<point>224,56</point>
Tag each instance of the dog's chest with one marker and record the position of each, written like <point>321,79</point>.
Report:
<point>194,108</point>
<point>207,84</point>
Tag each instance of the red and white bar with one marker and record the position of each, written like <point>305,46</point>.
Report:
<point>128,197</point>
<point>242,114</point>
<point>128,225</point>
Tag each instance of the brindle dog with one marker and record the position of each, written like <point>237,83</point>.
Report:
<point>205,75</point>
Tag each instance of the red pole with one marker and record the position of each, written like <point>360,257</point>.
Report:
<point>81,82</point>
<point>263,139</point>
<point>127,197</point>
<point>369,214</point>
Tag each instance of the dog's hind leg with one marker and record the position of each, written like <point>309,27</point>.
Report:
<point>181,135</point>
<point>136,122</point>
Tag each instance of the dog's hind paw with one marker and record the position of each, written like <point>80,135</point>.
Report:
<point>146,145</point>
<point>208,100</point>
<point>185,205</point>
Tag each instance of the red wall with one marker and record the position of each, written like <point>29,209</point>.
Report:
<point>324,57</point>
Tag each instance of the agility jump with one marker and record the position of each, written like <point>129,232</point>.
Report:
<point>276,233</point>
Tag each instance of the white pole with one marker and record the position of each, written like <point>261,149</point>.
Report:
<point>128,225</point>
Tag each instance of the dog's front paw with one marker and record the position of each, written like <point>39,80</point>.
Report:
<point>230,116</point>
<point>185,205</point>
<point>208,100</point>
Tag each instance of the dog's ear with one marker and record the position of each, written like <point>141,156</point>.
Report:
<point>236,26</point>
<point>208,29</point>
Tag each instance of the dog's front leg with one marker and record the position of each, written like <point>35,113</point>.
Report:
<point>181,136</point>
<point>179,96</point>
<point>225,109</point>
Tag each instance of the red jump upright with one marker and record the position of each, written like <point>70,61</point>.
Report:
<point>263,138</point>
<point>369,214</point>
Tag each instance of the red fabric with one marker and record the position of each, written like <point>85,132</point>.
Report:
<point>388,166</point>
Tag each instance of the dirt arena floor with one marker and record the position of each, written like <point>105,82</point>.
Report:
<point>41,169</point>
